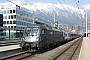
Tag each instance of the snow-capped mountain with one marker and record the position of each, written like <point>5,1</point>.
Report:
<point>66,14</point>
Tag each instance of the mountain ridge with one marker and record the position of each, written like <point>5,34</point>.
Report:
<point>65,14</point>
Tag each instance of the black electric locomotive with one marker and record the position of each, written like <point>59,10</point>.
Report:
<point>38,36</point>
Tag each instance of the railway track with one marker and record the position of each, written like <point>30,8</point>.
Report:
<point>71,53</point>
<point>19,56</point>
<point>68,54</point>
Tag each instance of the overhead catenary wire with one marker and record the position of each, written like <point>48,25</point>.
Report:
<point>11,2</point>
<point>37,13</point>
<point>66,10</point>
<point>17,4</point>
<point>44,18</point>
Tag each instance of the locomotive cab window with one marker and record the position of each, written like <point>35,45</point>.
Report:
<point>44,31</point>
<point>27,31</point>
<point>31,31</point>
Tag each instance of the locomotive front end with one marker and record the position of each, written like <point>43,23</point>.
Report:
<point>31,34</point>
<point>31,38</point>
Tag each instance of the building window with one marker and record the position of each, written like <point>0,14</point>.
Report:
<point>11,16</point>
<point>21,27</point>
<point>14,22</point>
<point>14,16</point>
<point>20,23</point>
<point>4,22</point>
<point>11,26</point>
<point>8,26</point>
<point>4,12</point>
<point>17,22</point>
<point>7,11</point>
<point>13,11</point>
<point>14,26</point>
<point>5,17</point>
<point>17,27</point>
<point>7,22</point>
<point>10,11</point>
<point>10,22</point>
<point>17,17</point>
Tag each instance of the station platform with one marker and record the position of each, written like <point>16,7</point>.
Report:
<point>84,52</point>
<point>6,48</point>
<point>8,41</point>
<point>85,49</point>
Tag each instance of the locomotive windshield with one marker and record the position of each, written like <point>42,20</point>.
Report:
<point>31,31</point>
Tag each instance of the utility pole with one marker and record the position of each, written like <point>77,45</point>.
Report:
<point>33,17</point>
<point>67,27</point>
<point>86,24</point>
<point>54,20</point>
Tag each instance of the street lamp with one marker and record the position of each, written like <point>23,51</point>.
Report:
<point>33,17</point>
<point>86,24</point>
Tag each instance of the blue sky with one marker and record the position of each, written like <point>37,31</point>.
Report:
<point>72,2</point>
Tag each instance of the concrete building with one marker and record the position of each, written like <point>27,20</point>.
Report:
<point>75,28</point>
<point>1,20</point>
<point>16,18</point>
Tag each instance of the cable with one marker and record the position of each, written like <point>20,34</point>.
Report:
<point>11,2</point>
<point>36,13</point>
<point>66,10</point>
<point>28,2</point>
<point>14,3</point>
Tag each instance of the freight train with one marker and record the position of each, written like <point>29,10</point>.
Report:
<point>38,36</point>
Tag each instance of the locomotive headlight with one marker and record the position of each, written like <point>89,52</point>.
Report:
<point>37,38</point>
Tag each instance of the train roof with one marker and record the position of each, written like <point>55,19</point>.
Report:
<point>39,25</point>
<point>44,26</point>
<point>34,25</point>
